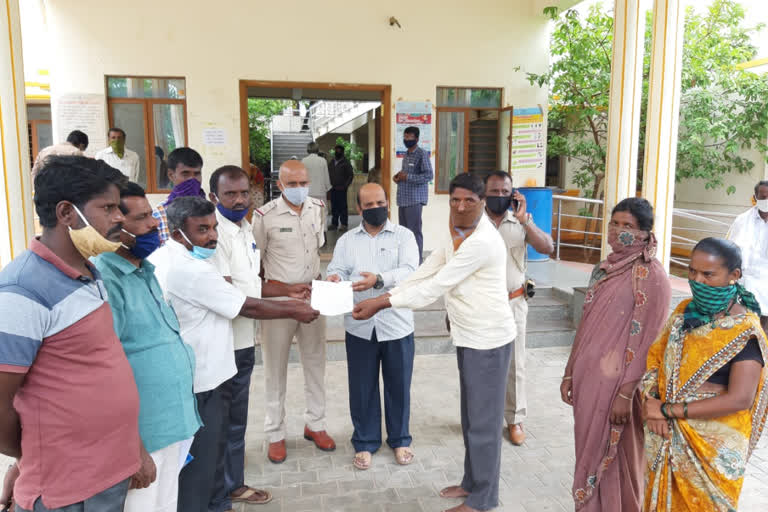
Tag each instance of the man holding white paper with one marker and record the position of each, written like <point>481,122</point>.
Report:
<point>376,257</point>
<point>289,232</point>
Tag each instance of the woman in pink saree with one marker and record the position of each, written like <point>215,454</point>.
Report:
<point>625,309</point>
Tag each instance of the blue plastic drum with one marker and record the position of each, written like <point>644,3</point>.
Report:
<point>539,204</point>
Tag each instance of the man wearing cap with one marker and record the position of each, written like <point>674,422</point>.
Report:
<point>289,232</point>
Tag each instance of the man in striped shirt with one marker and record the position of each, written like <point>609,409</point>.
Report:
<point>377,256</point>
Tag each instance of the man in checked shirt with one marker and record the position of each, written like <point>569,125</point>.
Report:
<point>412,185</point>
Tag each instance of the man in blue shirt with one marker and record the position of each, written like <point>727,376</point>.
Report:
<point>163,365</point>
<point>377,256</point>
<point>412,185</point>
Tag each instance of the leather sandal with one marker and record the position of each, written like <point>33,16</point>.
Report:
<point>403,455</point>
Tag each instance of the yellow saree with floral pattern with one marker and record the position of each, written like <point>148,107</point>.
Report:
<point>701,466</point>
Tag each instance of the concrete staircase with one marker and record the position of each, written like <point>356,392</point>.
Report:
<point>550,324</point>
<point>284,146</point>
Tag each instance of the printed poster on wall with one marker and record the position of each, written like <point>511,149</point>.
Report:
<point>413,113</point>
<point>528,139</point>
<point>84,112</point>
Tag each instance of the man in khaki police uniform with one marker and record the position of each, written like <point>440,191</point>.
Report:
<point>289,231</point>
<point>516,227</point>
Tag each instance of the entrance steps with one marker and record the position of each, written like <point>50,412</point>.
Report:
<point>550,324</point>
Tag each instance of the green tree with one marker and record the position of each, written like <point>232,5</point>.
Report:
<point>352,151</point>
<point>723,109</point>
<point>260,113</point>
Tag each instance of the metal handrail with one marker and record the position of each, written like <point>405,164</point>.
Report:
<point>560,216</point>
<point>719,225</point>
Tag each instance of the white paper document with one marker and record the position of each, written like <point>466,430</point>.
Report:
<point>332,299</point>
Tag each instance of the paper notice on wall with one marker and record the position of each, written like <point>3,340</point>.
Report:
<point>214,137</point>
<point>413,113</point>
<point>84,112</point>
<point>528,139</point>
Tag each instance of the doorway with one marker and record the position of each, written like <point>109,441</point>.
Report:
<point>279,119</point>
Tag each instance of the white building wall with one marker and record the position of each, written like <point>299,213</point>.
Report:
<point>213,46</point>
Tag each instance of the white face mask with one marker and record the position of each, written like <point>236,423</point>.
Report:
<point>762,205</point>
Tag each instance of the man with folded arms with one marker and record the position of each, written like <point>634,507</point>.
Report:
<point>468,268</point>
<point>205,305</point>
<point>377,255</point>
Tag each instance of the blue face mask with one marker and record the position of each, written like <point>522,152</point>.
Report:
<point>410,143</point>
<point>145,244</point>
<point>200,253</point>
<point>297,195</point>
<point>233,215</point>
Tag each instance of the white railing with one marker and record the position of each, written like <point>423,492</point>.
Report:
<point>683,236</point>
<point>707,224</point>
<point>559,222</point>
<point>318,116</point>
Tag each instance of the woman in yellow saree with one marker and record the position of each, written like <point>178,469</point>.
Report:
<point>705,390</point>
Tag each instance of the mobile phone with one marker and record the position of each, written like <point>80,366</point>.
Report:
<point>515,202</point>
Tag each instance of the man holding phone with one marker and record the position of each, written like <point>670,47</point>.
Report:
<point>506,207</point>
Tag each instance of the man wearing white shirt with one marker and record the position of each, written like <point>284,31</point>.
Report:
<point>237,259</point>
<point>205,304</point>
<point>317,167</point>
<point>750,232</point>
<point>118,156</point>
<point>377,255</point>
<point>468,268</point>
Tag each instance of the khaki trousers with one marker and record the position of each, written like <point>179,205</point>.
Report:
<point>276,337</point>
<point>516,407</point>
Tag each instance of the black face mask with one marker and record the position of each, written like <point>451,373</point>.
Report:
<point>339,155</point>
<point>498,204</point>
<point>375,216</point>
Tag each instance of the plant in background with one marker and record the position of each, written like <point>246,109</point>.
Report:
<point>352,152</point>
<point>723,109</point>
<point>260,114</point>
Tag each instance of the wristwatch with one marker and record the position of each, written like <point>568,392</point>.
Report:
<point>379,282</point>
<point>529,221</point>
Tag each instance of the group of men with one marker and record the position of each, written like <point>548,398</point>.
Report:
<point>149,314</point>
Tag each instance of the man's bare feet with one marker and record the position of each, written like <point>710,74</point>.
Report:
<point>454,491</point>
<point>461,508</point>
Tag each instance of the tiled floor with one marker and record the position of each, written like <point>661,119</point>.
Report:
<point>535,477</point>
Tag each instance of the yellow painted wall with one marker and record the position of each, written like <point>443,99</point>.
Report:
<point>441,43</point>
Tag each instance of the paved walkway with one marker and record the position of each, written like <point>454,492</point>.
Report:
<point>535,477</point>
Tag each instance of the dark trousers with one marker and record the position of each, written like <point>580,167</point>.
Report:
<point>363,360</point>
<point>410,217</point>
<point>483,384</point>
<point>339,207</point>
<point>234,465</point>
<point>109,500</point>
<point>200,479</point>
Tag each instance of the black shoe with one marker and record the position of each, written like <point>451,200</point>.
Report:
<point>332,228</point>
<point>343,228</point>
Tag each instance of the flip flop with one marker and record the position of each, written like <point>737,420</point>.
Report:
<point>362,460</point>
<point>405,456</point>
<point>250,491</point>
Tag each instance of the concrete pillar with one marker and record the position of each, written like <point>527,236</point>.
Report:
<point>16,209</point>
<point>624,108</point>
<point>663,114</point>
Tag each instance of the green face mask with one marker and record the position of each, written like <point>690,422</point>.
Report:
<point>118,146</point>
<point>710,300</point>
